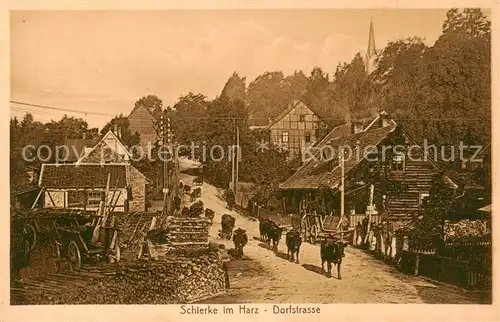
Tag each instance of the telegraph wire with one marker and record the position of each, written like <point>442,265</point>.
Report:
<point>86,113</point>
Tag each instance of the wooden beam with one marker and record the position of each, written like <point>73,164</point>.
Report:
<point>51,200</point>
<point>37,198</point>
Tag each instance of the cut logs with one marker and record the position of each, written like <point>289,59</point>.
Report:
<point>179,279</point>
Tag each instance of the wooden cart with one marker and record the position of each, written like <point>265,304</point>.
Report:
<point>314,226</point>
<point>70,236</point>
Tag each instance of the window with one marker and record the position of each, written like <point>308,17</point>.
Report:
<point>94,198</point>
<point>302,118</point>
<point>398,163</point>
<point>423,198</point>
<point>284,137</point>
<point>308,137</point>
<point>76,198</point>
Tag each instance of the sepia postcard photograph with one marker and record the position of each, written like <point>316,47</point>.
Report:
<point>223,159</point>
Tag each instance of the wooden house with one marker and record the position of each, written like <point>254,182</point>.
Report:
<point>81,186</point>
<point>401,179</point>
<point>295,128</point>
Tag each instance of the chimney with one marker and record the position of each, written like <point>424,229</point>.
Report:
<point>119,132</point>
<point>115,129</point>
<point>356,127</point>
<point>84,135</point>
<point>384,119</point>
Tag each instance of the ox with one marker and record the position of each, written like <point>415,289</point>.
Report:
<point>274,234</point>
<point>227,225</point>
<point>210,214</point>
<point>332,251</point>
<point>293,242</point>
<point>240,239</point>
<point>264,225</point>
<point>198,181</point>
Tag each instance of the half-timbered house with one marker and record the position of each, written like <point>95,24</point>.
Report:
<point>81,186</point>
<point>295,128</point>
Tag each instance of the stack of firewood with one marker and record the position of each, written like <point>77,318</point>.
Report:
<point>187,232</point>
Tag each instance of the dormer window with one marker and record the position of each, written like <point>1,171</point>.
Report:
<point>398,163</point>
<point>357,127</point>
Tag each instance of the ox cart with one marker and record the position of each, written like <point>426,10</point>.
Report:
<point>73,236</point>
<point>314,226</point>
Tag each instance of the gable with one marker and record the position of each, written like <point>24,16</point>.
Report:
<point>102,153</point>
<point>109,148</point>
<point>142,121</point>
<point>291,113</point>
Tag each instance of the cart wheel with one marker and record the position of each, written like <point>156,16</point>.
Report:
<point>56,255</point>
<point>74,256</point>
<point>30,235</point>
<point>115,255</point>
<point>314,234</point>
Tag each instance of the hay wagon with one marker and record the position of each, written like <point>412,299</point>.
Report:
<point>314,226</point>
<point>71,236</point>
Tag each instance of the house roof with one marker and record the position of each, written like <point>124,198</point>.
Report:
<point>138,107</point>
<point>18,192</point>
<point>321,115</point>
<point>83,175</point>
<point>310,176</point>
<point>76,148</point>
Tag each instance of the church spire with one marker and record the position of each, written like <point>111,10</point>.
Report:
<point>370,52</point>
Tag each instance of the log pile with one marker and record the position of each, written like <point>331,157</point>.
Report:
<point>173,281</point>
<point>187,234</point>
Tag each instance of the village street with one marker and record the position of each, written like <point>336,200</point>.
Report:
<point>263,277</point>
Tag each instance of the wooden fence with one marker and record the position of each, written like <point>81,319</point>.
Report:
<point>445,269</point>
<point>358,218</point>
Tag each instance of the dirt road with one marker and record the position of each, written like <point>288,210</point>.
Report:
<point>264,277</point>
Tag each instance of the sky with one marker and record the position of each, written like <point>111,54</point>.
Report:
<point>101,62</point>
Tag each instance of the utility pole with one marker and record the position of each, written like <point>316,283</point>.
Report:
<point>237,162</point>
<point>342,194</point>
<point>165,142</point>
<point>342,183</point>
